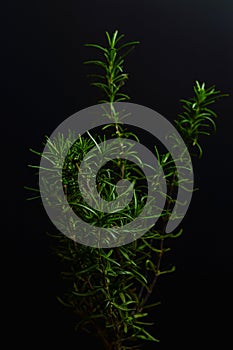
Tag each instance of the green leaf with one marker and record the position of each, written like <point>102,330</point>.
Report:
<point>131,43</point>
<point>97,46</point>
<point>122,296</point>
<point>108,38</point>
<point>97,63</point>
<point>167,271</point>
<point>113,41</point>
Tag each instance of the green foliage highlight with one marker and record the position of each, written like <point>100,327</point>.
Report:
<point>110,290</point>
<point>198,118</point>
<point>113,77</point>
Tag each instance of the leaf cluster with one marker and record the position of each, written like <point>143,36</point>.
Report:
<point>198,118</point>
<point>113,77</point>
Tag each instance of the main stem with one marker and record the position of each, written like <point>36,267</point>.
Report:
<point>161,248</point>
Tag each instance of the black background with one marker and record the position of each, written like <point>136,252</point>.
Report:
<point>43,81</point>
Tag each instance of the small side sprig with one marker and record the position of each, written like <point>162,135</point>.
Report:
<point>197,117</point>
<point>113,78</point>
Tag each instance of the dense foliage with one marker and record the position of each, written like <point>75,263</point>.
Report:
<point>110,289</point>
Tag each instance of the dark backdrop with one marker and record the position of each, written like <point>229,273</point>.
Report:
<point>43,81</point>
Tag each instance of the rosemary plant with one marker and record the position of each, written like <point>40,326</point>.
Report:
<point>109,290</point>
